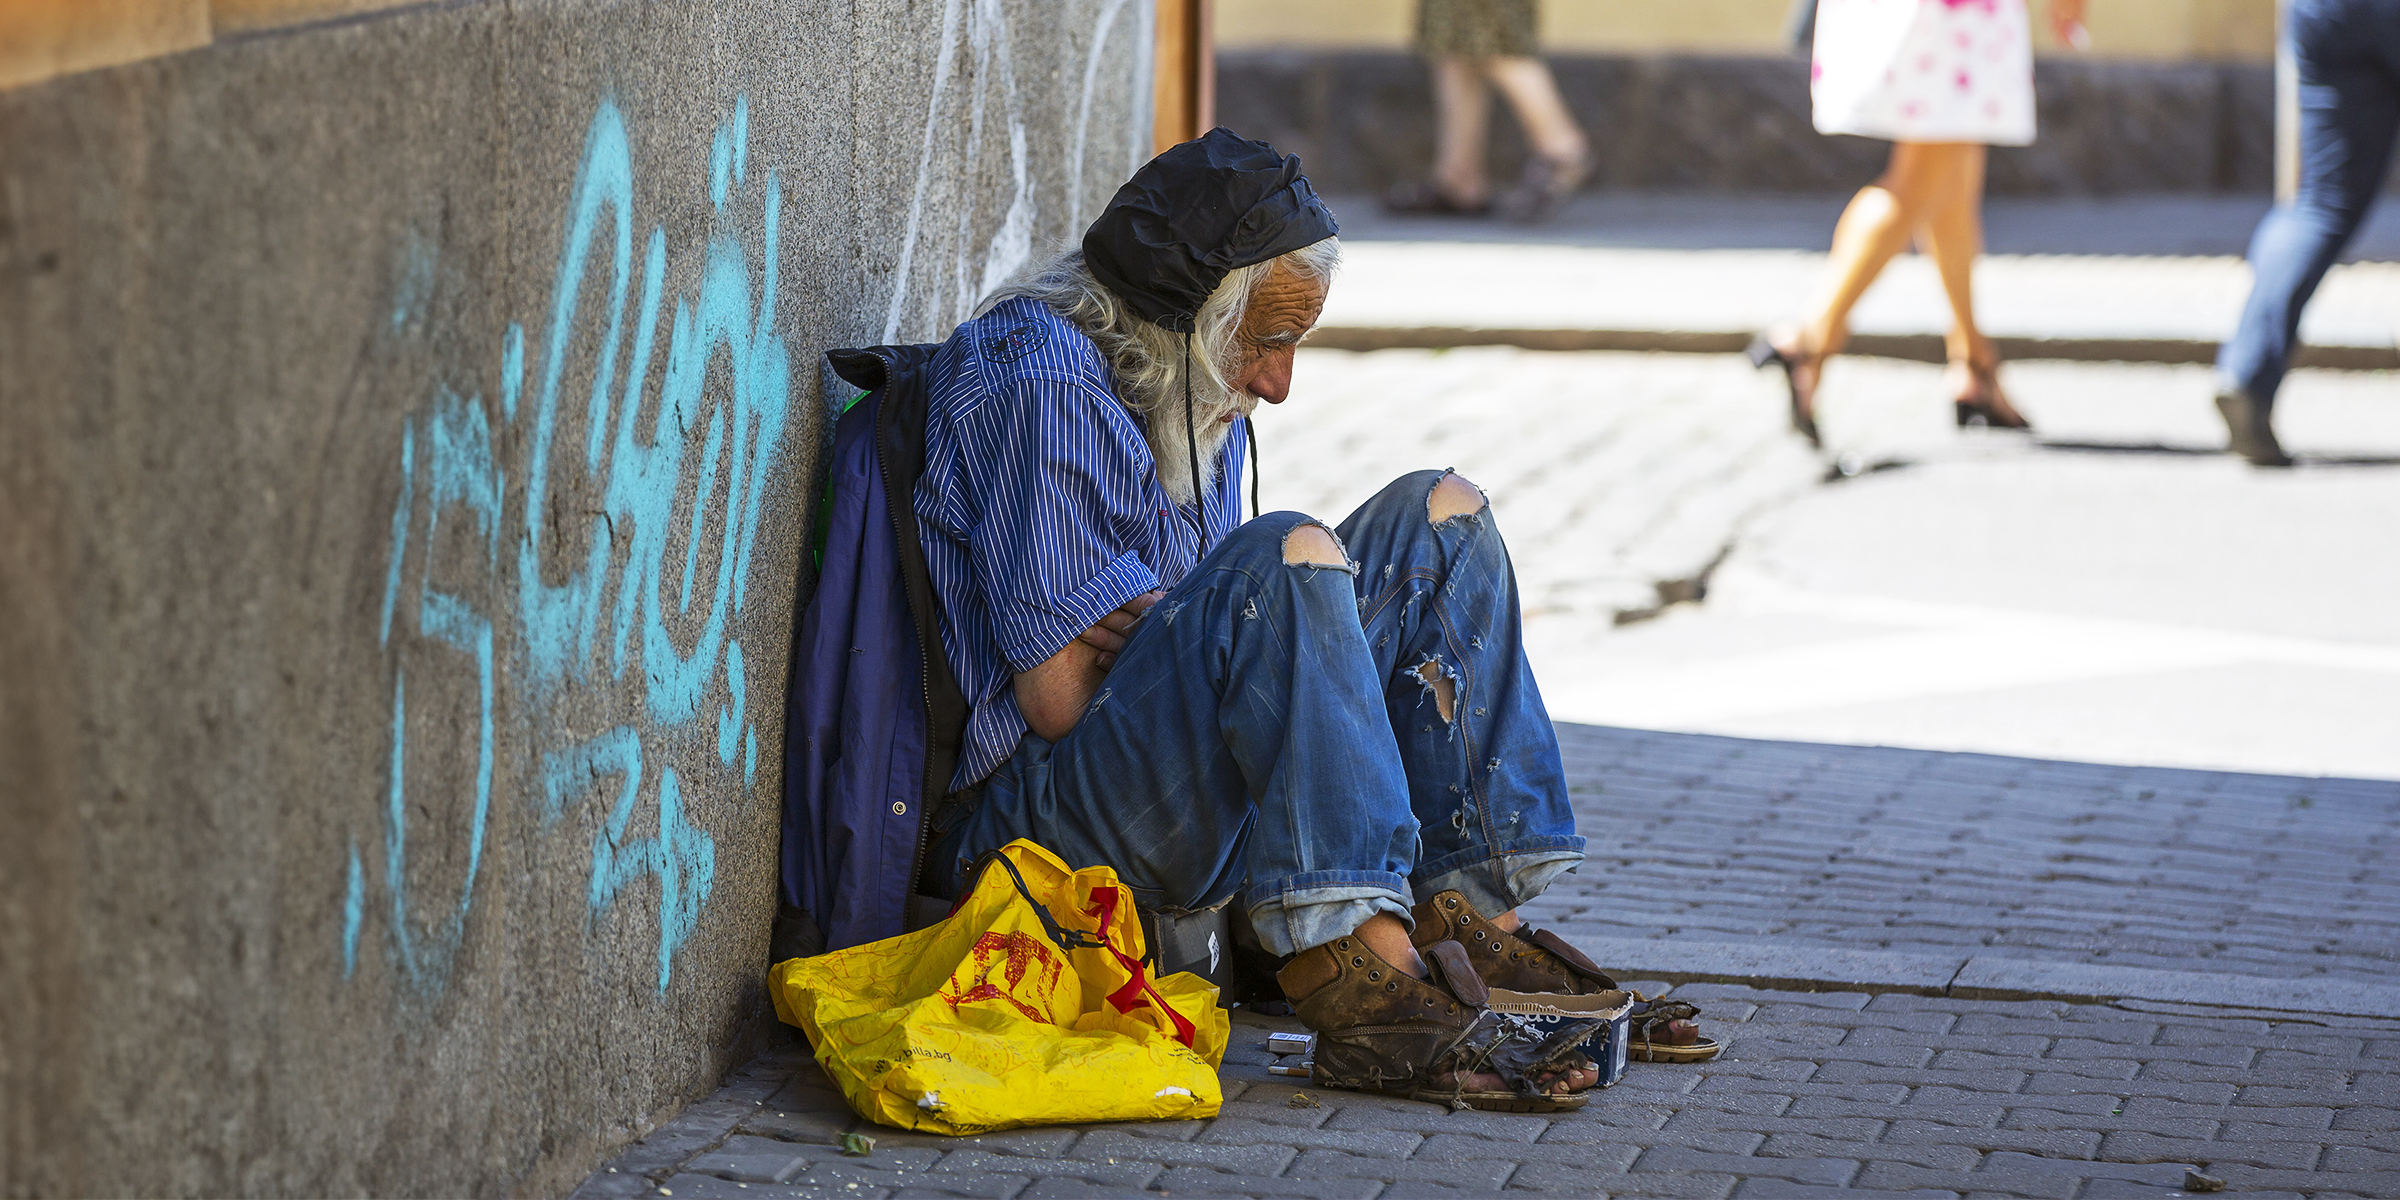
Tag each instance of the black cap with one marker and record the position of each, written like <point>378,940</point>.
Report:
<point>1195,213</point>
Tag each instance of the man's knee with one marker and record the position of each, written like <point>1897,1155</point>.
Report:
<point>1452,497</point>
<point>1311,544</point>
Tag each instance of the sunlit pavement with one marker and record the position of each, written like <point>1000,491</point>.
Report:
<point>2146,278</point>
<point>2100,593</point>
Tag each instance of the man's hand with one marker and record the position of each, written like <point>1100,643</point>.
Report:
<point>1052,696</point>
<point>1108,637</point>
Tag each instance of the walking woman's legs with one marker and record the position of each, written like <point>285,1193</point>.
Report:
<point>1951,233</point>
<point>1876,226</point>
<point>1526,83</point>
<point>1462,114</point>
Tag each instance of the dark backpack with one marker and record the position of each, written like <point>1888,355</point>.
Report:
<point>874,715</point>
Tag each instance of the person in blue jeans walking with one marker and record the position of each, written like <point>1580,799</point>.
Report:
<point>1332,727</point>
<point>2348,54</point>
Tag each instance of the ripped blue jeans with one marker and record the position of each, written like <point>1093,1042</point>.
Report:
<point>1316,743</point>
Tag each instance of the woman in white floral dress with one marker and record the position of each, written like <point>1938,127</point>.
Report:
<point>1942,80</point>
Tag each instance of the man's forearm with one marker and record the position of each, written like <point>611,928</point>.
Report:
<point>1052,695</point>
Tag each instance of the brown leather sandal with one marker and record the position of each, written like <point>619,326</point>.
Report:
<point>1380,1029</point>
<point>1537,960</point>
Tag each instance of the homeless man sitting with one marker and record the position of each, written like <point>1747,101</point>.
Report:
<point>1333,728</point>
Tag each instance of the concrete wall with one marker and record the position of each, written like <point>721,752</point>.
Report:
<point>407,426</point>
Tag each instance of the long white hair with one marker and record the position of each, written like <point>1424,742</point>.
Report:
<point>1149,361</point>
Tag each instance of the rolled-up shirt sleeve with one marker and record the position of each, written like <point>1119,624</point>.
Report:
<point>1050,552</point>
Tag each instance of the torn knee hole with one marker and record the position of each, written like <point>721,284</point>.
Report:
<point>1437,679</point>
<point>1453,497</point>
<point>1314,546</point>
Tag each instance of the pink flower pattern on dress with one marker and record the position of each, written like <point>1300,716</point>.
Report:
<point>1924,70</point>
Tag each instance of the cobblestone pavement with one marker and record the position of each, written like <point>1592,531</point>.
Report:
<point>1816,1094</point>
<point>1799,845</point>
<point>1792,846</point>
<point>1609,472</point>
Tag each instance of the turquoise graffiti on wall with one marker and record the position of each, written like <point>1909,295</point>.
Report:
<point>630,611</point>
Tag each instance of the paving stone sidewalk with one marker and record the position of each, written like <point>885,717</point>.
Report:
<point>1610,473</point>
<point>1816,1094</point>
<point>1798,845</point>
<point>1784,844</point>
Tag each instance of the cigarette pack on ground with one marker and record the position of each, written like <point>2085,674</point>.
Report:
<point>1280,1042</point>
<point>1606,1047</point>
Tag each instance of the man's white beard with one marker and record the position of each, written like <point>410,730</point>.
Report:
<point>1170,448</point>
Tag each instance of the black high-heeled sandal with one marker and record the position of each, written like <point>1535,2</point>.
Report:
<point>1546,184</point>
<point>1421,198</point>
<point>1804,418</point>
<point>1989,406</point>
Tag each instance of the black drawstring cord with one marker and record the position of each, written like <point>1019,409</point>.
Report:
<point>1250,435</point>
<point>1060,936</point>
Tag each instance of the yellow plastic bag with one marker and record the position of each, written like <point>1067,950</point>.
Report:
<point>986,1022</point>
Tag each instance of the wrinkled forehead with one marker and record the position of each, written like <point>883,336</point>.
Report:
<point>1285,300</point>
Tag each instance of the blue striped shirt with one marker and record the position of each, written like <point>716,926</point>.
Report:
<point>1040,508</point>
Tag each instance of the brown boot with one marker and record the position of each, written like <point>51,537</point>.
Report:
<point>1527,960</point>
<point>1380,1029</point>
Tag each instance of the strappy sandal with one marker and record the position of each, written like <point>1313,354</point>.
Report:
<point>1657,1026</point>
<point>1423,198</point>
<point>1380,1029</point>
<point>1763,351</point>
<point>1982,403</point>
<point>1546,184</point>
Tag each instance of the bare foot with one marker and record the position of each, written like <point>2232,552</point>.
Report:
<point>1565,1084</point>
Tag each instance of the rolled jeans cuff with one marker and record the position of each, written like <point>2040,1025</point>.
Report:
<point>1313,909</point>
<point>1524,871</point>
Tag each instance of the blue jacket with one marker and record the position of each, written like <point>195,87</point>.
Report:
<point>874,714</point>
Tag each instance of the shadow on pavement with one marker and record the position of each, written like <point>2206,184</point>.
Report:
<point>1801,844</point>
